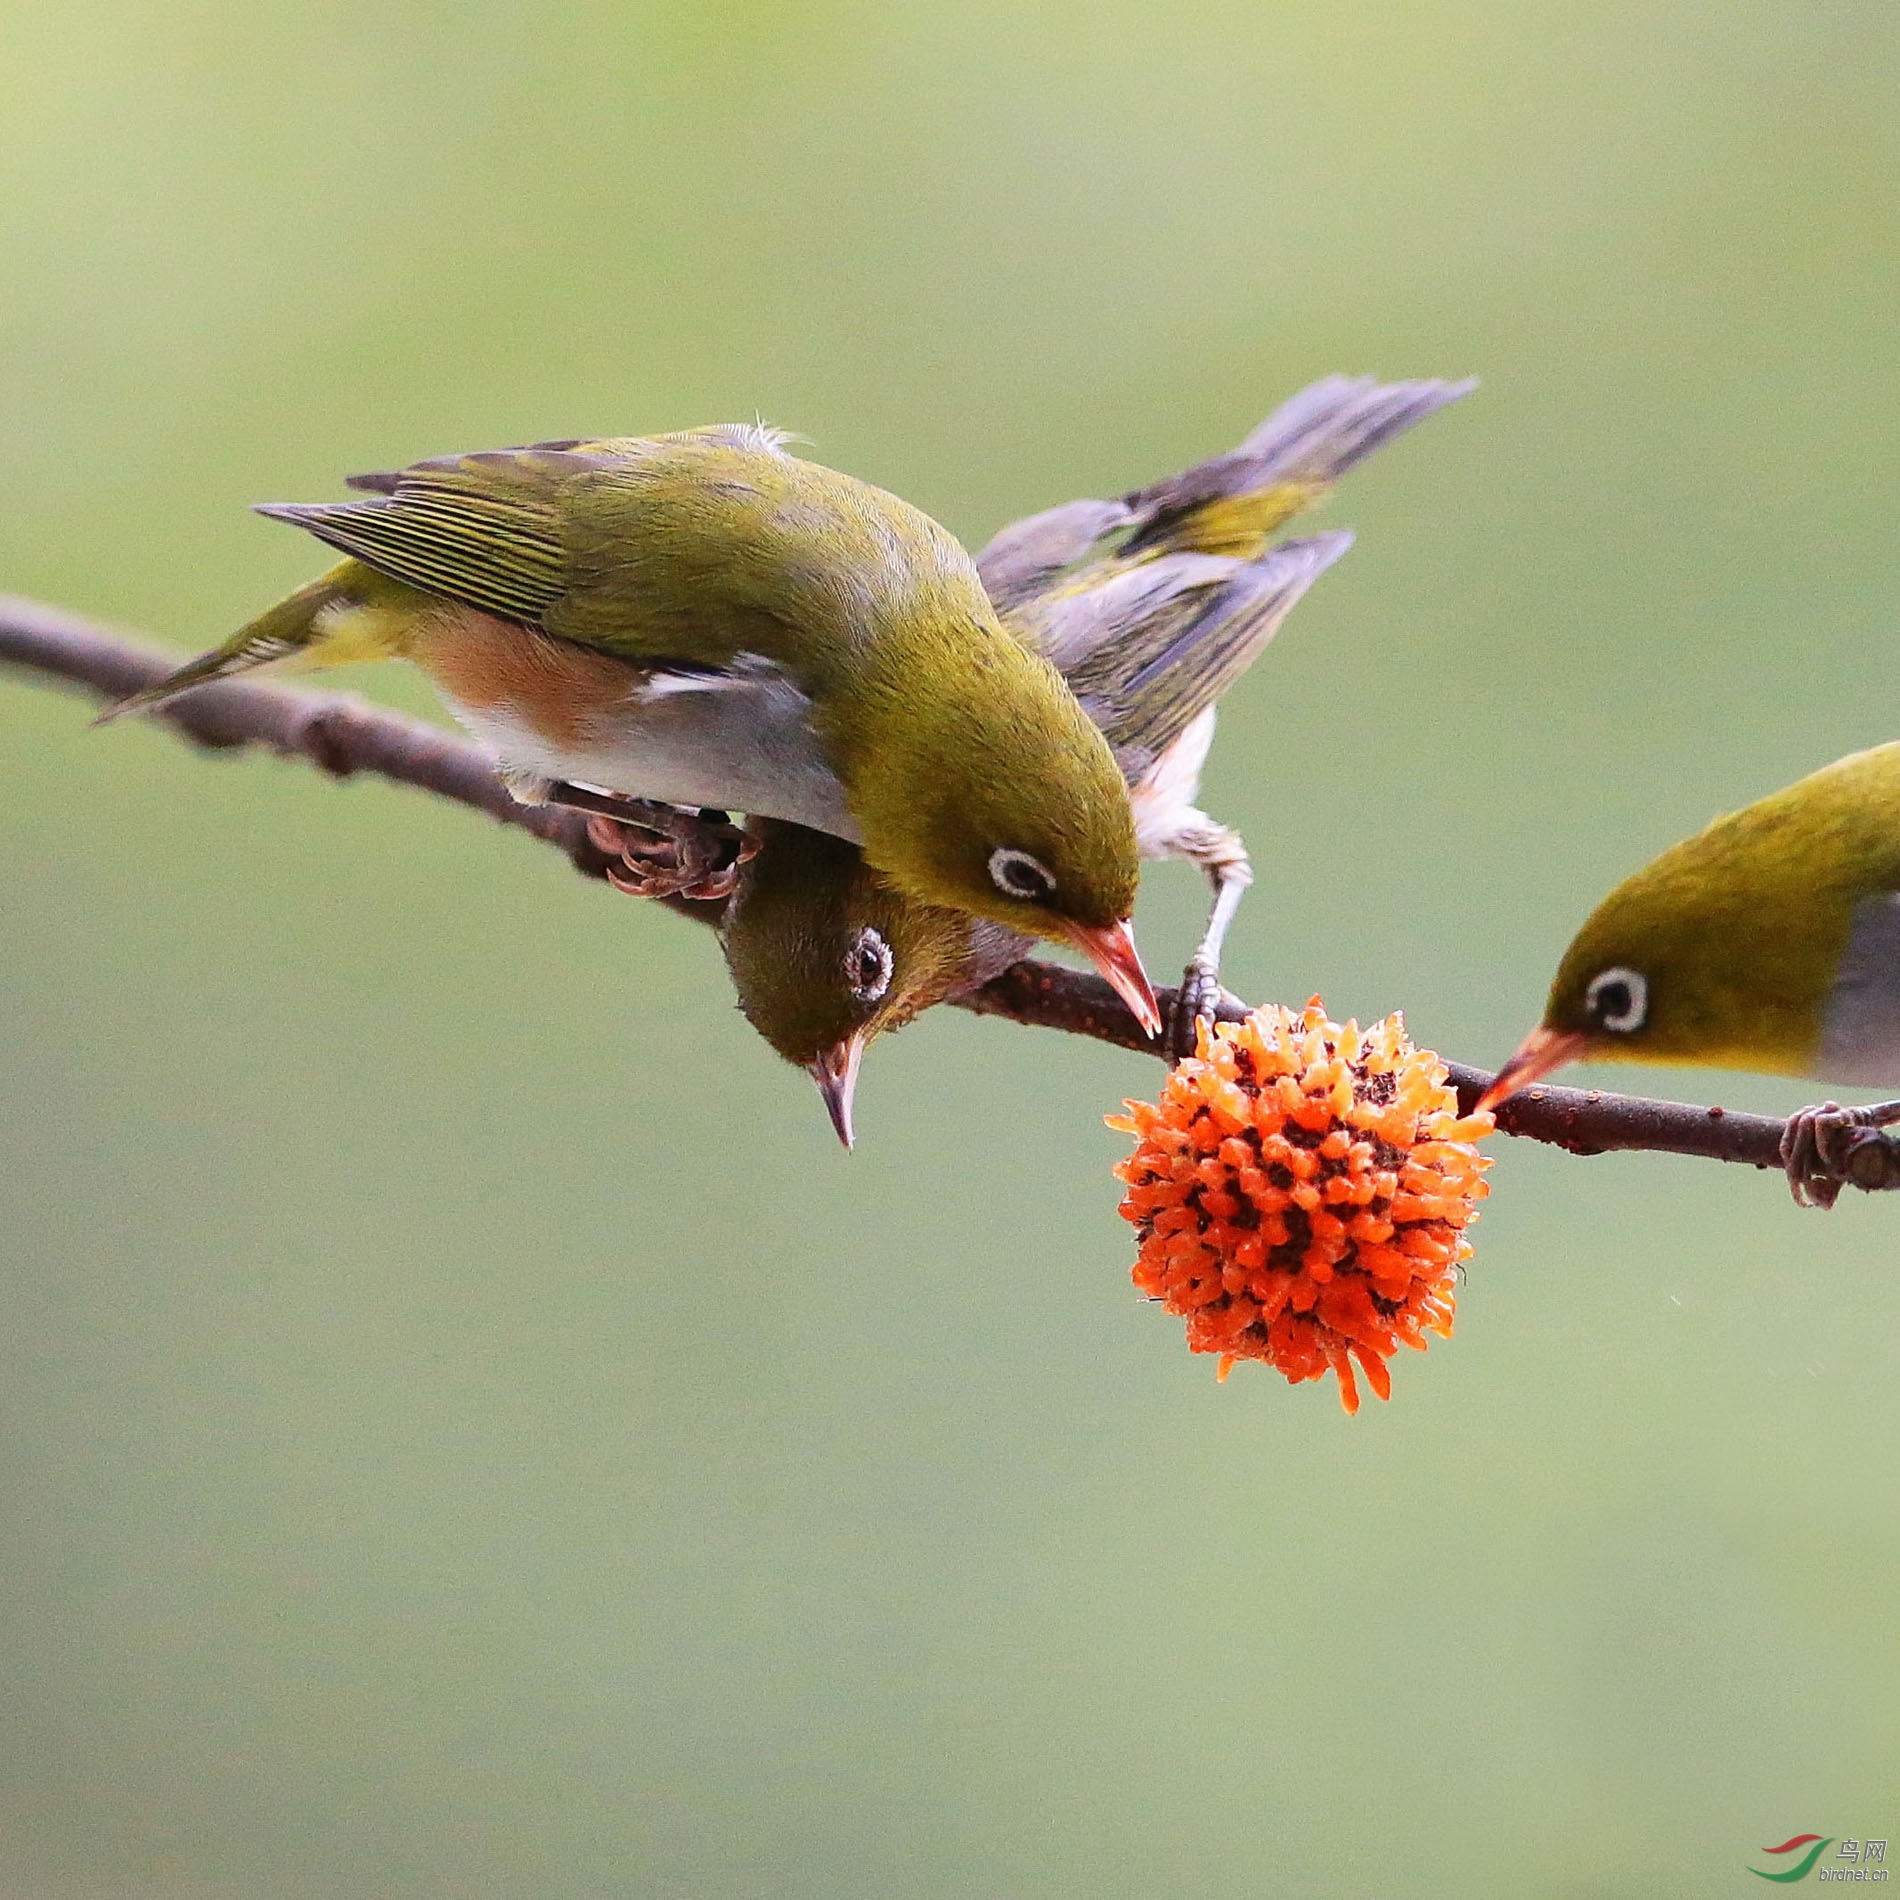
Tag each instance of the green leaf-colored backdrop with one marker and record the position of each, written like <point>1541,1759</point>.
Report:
<point>464,1427</point>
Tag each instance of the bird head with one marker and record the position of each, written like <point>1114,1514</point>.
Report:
<point>826,956</point>
<point>1022,819</point>
<point>1723,952</point>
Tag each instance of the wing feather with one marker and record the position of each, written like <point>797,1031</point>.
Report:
<point>483,529</point>
<point>1021,560</point>
<point>1229,503</point>
<point>1154,674</point>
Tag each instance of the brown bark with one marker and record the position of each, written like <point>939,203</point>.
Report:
<point>342,736</point>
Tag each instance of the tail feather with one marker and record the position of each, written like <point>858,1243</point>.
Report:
<point>200,672</point>
<point>281,633</point>
<point>1229,505</point>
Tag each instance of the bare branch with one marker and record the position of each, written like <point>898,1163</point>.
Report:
<point>342,736</point>
<point>1585,1121</point>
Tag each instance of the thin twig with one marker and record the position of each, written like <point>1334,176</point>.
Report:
<point>342,736</point>
<point>1585,1121</point>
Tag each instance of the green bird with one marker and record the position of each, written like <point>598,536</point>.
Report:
<point>1769,941</point>
<point>1152,606</point>
<point>705,620</point>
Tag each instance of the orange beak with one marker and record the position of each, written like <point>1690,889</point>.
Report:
<point>1111,948</point>
<point>836,1073</point>
<point>1540,1052</point>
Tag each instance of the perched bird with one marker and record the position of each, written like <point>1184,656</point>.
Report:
<point>1769,941</point>
<point>705,620</point>
<point>826,955</point>
<point>1152,606</point>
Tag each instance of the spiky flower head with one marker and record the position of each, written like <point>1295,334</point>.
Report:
<point>1301,1192</point>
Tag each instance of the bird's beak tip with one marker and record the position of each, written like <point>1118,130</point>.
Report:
<point>836,1073</point>
<point>1541,1052</point>
<point>1111,948</point>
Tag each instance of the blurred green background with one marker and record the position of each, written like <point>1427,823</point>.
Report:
<point>465,1429</point>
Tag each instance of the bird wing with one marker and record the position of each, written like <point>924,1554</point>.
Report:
<point>1087,627</point>
<point>648,548</point>
<point>1022,559</point>
<point>485,529</point>
<point>1227,505</point>
<point>1165,639</point>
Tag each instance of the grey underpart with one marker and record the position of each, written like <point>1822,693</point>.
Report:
<point>734,738</point>
<point>742,742</point>
<point>1860,1023</point>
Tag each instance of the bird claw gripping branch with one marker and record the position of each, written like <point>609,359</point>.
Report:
<point>669,853</point>
<point>1200,995</point>
<point>1827,1148</point>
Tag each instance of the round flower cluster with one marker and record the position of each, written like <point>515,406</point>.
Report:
<point>1301,1192</point>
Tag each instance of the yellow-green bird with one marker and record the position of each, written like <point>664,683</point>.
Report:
<point>705,620</point>
<point>826,955</point>
<point>1152,606</point>
<point>1769,941</point>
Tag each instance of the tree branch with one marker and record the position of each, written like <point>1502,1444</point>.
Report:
<point>341,736</point>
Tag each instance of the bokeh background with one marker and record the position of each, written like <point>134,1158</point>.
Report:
<point>465,1429</point>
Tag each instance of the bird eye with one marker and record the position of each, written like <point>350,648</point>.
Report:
<point>867,965</point>
<point>1017,874</point>
<point>1618,1000</point>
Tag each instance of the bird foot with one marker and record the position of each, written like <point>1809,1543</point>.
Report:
<point>668,852</point>
<point>1200,995</point>
<point>1826,1148</point>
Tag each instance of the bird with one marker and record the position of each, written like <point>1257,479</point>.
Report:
<point>1770,941</point>
<point>825,955</point>
<point>1152,606</point>
<point>704,620</point>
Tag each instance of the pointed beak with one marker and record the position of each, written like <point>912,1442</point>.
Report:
<point>1111,948</point>
<point>836,1073</point>
<point>1540,1052</point>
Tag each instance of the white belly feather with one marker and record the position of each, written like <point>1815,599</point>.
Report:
<point>739,740</point>
<point>1165,811</point>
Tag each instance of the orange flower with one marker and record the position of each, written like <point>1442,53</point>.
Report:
<point>1301,1193</point>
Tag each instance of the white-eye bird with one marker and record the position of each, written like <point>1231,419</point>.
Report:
<point>705,620</point>
<point>1152,606</point>
<point>1769,941</point>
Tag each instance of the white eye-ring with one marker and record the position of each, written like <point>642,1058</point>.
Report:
<point>1618,999</point>
<point>867,965</point>
<point>1017,874</point>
